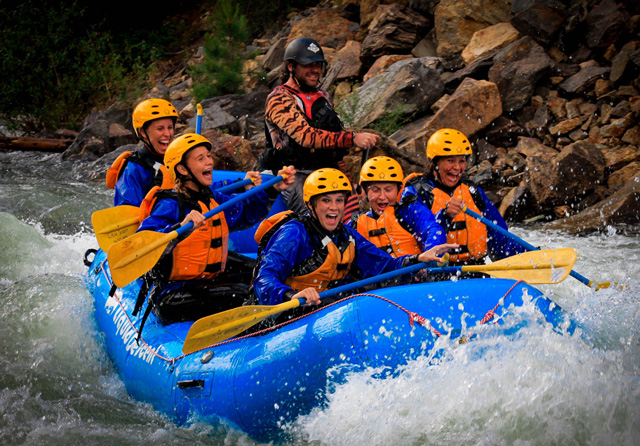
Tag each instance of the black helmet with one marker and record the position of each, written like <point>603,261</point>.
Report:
<point>304,51</point>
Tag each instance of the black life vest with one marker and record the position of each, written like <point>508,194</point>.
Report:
<point>142,157</point>
<point>319,114</point>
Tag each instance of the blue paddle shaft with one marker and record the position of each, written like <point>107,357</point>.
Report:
<point>381,277</point>
<point>233,186</point>
<point>199,124</point>
<point>517,239</point>
<point>226,205</point>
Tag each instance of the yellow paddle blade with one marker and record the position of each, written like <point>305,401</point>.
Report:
<point>546,266</point>
<point>218,327</point>
<point>604,285</point>
<point>135,255</point>
<point>115,224</point>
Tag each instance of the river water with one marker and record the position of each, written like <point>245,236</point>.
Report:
<point>538,387</point>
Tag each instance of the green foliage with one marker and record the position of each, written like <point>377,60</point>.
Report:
<point>59,60</point>
<point>393,121</point>
<point>233,24</point>
<point>355,106</point>
<point>224,55</point>
<point>263,15</point>
<point>349,107</point>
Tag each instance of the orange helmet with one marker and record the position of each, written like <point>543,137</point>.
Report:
<point>381,169</point>
<point>323,181</point>
<point>150,110</point>
<point>179,146</point>
<point>448,142</point>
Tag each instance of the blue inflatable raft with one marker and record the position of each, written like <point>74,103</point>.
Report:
<point>259,383</point>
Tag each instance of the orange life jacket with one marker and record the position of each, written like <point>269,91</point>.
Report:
<point>269,226</point>
<point>468,232</point>
<point>161,178</point>
<point>325,268</point>
<point>388,234</point>
<point>203,253</point>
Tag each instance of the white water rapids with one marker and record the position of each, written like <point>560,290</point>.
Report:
<point>534,387</point>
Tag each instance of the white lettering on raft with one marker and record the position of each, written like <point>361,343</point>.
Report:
<point>126,332</point>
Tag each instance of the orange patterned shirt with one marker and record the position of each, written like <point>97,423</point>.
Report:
<point>285,118</point>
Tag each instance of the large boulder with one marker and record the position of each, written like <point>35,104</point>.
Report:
<point>604,24</point>
<point>97,170</point>
<point>517,204</point>
<point>621,61</point>
<point>424,7</point>
<point>327,27</point>
<point>488,41</point>
<point>540,19</point>
<point>384,62</point>
<point>539,157</point>
<point>564,178</point>
<point>102,133</point>
<point>236,114</point>
<point>583,80</point>
<point>478,69</point>
<point>408,87</point>
<point>471,108</point>
<point>516,71</point>
<point>275,55</point>
<point>346,64</point>
<point>457,20</point>
<point>619,209</point>
<point>504,131</point>
<point>395,29</point>
<point>231,152</point>
<point>622,176</point>
<point>618,157</point>
<point>577,172</point>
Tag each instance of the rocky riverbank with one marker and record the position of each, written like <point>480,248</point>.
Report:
<point>548,91</point>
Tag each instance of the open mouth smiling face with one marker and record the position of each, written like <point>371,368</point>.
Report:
<point>200,164</point>
<point>451,168</point>
<point>329,209</point>
<point>309,74</point>
<point>160,133</point>
<point>382,195</point>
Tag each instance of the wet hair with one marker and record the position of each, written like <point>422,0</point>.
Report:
<point>180,181</point>
<point>365,184</point>
<point>284,71</point>
<point>432,164</point>
<point>313,200</point>
<point>180,187</point>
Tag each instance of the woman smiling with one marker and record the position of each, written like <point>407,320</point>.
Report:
<point>446,191</point>
<point>309,253</point>
<point>399,228</point>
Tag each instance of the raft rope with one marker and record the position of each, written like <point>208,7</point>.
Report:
<point>491,313</point>
<point>413,317</point>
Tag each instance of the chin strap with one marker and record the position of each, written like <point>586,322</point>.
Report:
<point>304,89</point>
<point>152,150</point>
<point>191,177</point>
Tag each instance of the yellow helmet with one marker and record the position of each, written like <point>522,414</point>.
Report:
<point>381,169</point>
<point>179,146</point>
<point>150,110</point>
<point>324,181</point>
<point>448,142</point>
